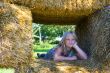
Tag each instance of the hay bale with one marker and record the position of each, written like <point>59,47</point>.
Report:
<point>63,67</point>
<point>15,36</point>
<point>101,33</point>
<point>61,11</point>
<point>93,34</point>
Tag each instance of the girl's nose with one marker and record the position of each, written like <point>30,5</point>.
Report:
<point>72,41</point>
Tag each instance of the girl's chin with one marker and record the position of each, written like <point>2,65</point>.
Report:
<point>70,46</point>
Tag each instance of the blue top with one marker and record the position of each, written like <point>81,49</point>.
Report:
<point>51,52</point>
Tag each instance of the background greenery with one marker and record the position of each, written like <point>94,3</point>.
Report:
<point>47,36</point>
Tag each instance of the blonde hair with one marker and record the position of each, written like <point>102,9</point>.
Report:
<point>62,42</point>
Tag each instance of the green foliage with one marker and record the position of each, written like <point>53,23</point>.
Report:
<point>55,30</point>
<point>51,31</point>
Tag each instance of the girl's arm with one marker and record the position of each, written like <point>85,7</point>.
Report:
<point>58,57</point>
<point>81,54</point>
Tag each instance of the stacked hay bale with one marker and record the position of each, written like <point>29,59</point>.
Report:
<point>93,34</point>
<point>94,37</point>
<point>15,31</point>
<point>15,37</point>
<point>61,11</point>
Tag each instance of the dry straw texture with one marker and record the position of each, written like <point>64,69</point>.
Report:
<point>16,39</point>
<point>94,36</point>
<point>61,11</point>
<point>15,36</point>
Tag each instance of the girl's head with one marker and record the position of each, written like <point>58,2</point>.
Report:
<point>68,39</point>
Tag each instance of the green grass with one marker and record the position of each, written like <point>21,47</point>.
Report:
<point>9,70</point>
<point>42,48</point>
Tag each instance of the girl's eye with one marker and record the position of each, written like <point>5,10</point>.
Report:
<point>73,39</point>
<point>70,39</point>
<point>67,39</point>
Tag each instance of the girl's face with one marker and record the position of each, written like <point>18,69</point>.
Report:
<point>69,41</point>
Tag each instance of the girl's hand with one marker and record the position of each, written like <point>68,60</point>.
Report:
<point>75,44</point>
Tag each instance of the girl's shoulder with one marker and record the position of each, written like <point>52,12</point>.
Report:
<point>59,49</point>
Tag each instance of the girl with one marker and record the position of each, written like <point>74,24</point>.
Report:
<point>67,49</point>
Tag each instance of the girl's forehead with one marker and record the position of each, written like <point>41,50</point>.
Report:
<point>69,36</point>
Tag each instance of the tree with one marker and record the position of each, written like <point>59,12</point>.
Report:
<point>51,31</point>
<point>37,28</point>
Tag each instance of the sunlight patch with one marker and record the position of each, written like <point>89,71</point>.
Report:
<point>9,70</point>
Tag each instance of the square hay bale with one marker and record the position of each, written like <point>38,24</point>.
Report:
<point>15,36</point>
